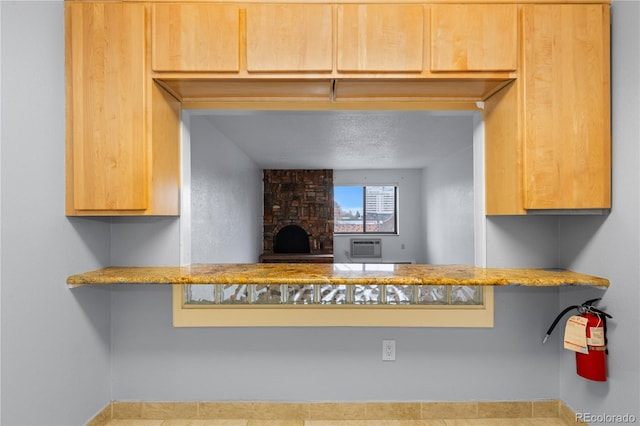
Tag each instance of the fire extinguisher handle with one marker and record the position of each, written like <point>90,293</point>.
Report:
<point>598,311</point>
<point>555,322</point>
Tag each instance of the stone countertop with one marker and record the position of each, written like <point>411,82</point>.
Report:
<point>337,273</point>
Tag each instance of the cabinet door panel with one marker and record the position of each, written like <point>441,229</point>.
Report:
<point>473,37</point>
<point>195,37</point>
<point>503,153</point>
<point>384,38</point>
<point>567,153</point>
<point>106,70</point>
<point>289,38</point>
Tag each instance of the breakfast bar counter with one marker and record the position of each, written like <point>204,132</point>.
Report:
<point>337,273</point>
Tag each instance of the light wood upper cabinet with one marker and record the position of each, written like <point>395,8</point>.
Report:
<point>107,106</point>
<point>289,38</point>
<point>112,161</point>
<point>547,97</point>
<point>473,37</point>
<point>380,37</point>
<point>548,134</point>
<point>566,106</point>
<point>195,37</point>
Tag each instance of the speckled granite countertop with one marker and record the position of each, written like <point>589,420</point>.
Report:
<point>338,273</point>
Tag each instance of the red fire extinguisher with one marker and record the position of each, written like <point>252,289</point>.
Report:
<point>591,365</point>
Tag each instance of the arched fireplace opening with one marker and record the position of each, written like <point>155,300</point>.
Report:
<point>291,245</point>
<point>292,239</point>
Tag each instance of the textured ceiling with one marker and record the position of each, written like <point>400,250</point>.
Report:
<point>345,139</point>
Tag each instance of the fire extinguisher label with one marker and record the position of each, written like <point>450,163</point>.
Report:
<point>596,336</point>
<point>575,334</point>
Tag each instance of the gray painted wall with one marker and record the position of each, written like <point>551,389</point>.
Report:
<point>610,246</point>
<point>55,341</point>
<point>448,209</point>
<point>154,362</point>
<point>226,199</point>
<point>58,346</point>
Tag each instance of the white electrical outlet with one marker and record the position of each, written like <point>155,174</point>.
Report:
<point>388,350</point>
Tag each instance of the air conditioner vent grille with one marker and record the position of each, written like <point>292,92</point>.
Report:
<point>371,247</point>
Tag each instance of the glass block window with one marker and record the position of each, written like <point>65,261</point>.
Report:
<point>233,293</point>
<point>433,295</point>
<point>200,294</point>
<point>399,294</point>
<point>367,294</point>
<point>466,295</point>
<point>266,293</point>
<point>300,294</point>
<point>331,294</point>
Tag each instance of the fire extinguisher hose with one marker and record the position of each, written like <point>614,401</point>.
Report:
<point>557,320</point>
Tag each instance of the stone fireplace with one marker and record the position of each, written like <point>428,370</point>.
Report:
<point>303,198</point>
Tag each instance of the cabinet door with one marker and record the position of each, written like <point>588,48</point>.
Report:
<point>289,38</point>
<point>195,37</point>
<point>106,149</point>
<point>473,37</point>
<point>383,38</point>
<point>566,115</point>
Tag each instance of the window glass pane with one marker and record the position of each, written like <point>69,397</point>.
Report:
<point>365,209</point>
<point>380,207</point>
<point>348,209</point>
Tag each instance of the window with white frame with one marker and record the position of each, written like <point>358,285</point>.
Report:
<point>371,209</point>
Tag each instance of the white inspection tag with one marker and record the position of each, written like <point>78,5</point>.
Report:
<point>575,334</point>
<point>597,336</point>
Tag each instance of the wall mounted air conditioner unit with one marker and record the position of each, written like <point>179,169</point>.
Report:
<point>366,247</point>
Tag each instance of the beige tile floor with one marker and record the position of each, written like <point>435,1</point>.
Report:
<point>436,422</point>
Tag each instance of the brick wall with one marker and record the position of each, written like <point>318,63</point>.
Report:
<point>303,198</point>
